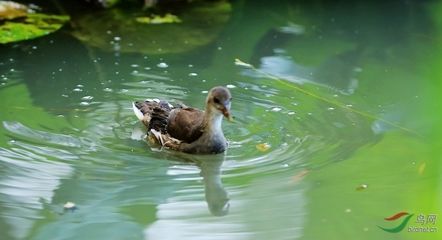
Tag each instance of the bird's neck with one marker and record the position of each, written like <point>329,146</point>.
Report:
<point>212,122</point>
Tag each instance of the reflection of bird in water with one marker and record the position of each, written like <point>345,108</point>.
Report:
<point>187,129</point>
<point>216,196</point>
<point>210,165</point>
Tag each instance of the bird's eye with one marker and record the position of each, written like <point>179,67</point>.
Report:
<point>216,100</point>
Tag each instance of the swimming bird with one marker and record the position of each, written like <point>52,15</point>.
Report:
<point>185,128</point>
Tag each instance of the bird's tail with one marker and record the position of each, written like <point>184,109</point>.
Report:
<point>137,112</point>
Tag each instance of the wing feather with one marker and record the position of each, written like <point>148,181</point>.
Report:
<point>186,124</point>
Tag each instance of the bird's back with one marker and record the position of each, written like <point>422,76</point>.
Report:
<point>182,123</point>
<point>186,124</point>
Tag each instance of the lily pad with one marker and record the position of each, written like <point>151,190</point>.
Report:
<point>130,31</point>
<point>156,19</point>
<point>32,26</point>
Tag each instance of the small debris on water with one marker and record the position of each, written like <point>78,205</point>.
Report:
<point>70,206</point>
<point>362,187</point>
<point>299,176</point>
<point>263,147</point>
<point>243,64</point>
<point>422,168</point>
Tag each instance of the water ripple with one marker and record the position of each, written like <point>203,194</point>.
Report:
<point>21,130</point>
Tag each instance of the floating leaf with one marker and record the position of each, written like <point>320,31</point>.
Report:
<point>33,26</point>
<point>156,19</point>
<point>263,147</point>
<point>300,175</point>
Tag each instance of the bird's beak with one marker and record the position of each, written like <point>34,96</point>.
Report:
<point>227,114</point>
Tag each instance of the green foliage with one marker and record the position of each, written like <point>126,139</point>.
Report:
<point>33,26</point>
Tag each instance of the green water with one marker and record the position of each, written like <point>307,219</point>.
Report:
<point>345,97</point>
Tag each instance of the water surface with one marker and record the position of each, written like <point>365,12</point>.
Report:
<point>336,127</point>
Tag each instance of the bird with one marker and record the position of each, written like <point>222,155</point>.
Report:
<point>184,128</point>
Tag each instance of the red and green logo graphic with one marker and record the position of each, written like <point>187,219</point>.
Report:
<point>405,216</point>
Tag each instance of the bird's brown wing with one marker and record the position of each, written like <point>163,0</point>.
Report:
<point>185,124</point>
<point>155,114</point>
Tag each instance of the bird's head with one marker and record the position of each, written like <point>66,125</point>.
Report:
<point>219,99</point>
